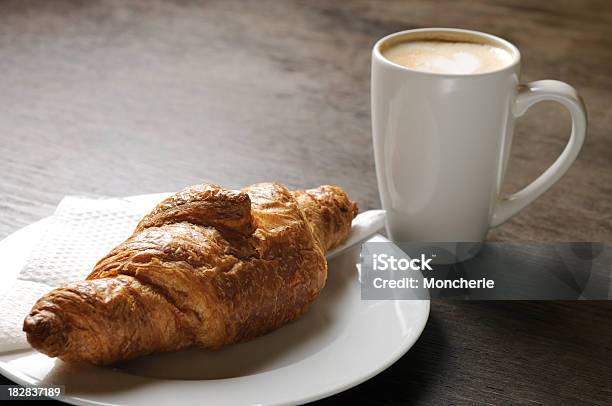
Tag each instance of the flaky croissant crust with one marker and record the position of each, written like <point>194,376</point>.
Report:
<point>207,267</point>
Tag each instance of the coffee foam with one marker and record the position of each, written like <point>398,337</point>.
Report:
<point>448,57</point>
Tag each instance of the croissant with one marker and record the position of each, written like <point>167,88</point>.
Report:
<point>207,267</point>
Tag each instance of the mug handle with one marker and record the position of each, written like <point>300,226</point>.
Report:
<point>528,95</point>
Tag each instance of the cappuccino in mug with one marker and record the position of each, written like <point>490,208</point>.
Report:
<point>449,57</point>
<point>444,104</point>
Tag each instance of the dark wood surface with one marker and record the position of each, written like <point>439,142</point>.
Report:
<point>121,98</point>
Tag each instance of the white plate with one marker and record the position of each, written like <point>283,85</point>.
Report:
<point>340,342</point>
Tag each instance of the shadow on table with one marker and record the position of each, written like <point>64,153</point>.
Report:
<point>573,321</point>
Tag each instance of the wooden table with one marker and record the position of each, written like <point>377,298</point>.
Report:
<point>119,99</point>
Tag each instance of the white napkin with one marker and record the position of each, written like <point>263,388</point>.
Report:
<point>83,230</point>
<point>363,226</point>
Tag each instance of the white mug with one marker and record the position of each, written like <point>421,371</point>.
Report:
<point>442,141</point>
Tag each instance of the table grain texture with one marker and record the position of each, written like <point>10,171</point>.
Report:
<point>121,98</point>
